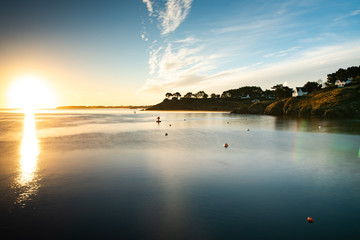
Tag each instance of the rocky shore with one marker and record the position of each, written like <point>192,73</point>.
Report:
<point>326,103</point>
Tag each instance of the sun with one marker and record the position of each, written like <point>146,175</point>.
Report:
<point>30,93</point>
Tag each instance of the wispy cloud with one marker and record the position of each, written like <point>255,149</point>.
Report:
<point>308,65</point>
<point>175,13</point>
<point>281,53</point>
<point>237,52</point>
<point>354,13</point>
<point>149,6</point>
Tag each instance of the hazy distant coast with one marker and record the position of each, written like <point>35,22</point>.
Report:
<point>91,107</point>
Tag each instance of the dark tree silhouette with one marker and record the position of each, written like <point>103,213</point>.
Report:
<point>312,86</point>
<point>168,95</point>
<point>188,95</point>
<point>201,94</point>
<point>282,91</point>
<point>177,95</point>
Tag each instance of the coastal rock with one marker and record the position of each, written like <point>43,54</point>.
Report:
<point>275,108</point>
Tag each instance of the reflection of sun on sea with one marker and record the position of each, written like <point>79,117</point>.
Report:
<point>29,93</point>
<point>26,182</point>
<point>29,151</point>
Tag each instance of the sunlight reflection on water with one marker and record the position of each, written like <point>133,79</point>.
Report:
<point>27,182</point>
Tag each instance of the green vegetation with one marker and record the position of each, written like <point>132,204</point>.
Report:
<point>321,101</point>
<point>343,75</point>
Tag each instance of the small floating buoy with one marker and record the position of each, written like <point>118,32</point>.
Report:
<point>227,122</point>
<point>169,125</point>
<point>184,119</point>
<point>166,134</point>
<point>310,219</point>
<point>158,120</point>
<point>248,129</point>
<point>226,145</point>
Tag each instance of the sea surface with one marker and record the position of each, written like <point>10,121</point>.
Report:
<point>117,174</point>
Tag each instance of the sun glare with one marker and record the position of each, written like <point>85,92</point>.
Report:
<point>30,93</point>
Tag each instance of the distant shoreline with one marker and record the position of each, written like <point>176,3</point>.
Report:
<point>99,107</point>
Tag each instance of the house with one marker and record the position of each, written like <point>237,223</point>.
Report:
<point>339,83</point>
<point>255,101</point>
<point>246,97</point>
<point>299,91</point>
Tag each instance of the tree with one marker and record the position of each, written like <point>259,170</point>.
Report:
<point>226,94</point>
<point>312,87</point>
<point>168,95</point>
<point>213,95</point>
<point>188,95</point>
<point>201,94</point>
<point>343,75</point>
<point>269,93</point>
<point>177,95</point>
<point>252,91</point>
<point>282,91</point>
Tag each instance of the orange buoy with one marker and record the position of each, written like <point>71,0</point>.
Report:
<point>226,145</point>
<point>310,219</point>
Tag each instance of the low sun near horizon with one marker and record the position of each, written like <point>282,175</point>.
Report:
<point>30,93</point>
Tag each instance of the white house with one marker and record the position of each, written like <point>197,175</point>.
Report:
<point>246,97</point>
<point>299,91</point>
<point>339,83</point>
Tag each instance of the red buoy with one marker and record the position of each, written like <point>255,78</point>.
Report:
<point>226,145</point>
<point>310,219</point>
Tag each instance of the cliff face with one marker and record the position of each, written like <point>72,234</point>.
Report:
<point>333,103</point>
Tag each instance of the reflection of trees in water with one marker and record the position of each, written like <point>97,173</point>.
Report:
<point>26,184</point>
<point>345,126</point>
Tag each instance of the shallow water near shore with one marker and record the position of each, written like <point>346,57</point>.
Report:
<point>111,174</point>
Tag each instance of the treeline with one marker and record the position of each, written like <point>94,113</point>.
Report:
<point>352,73</point>
<point>278,91</point>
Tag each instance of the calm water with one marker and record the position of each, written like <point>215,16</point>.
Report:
<point>113,174</point>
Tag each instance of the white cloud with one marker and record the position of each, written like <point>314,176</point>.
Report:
<point>281,53</point>
<point>149,6</point>
<point>354,13</point>
<point>185,70</point>
<point>175,13</point>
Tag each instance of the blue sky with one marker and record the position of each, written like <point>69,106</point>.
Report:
<point>133,52</point>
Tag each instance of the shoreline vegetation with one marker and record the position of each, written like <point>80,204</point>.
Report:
<point>325,100</point>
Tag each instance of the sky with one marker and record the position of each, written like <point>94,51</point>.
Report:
<point>132,52</point>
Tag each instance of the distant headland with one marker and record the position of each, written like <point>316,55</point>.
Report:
<point>338,97</point>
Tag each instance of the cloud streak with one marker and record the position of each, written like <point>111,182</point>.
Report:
<point>149,6</point>
<point>352,14</point>
<point>175,13</point>
<point>309,65</point>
